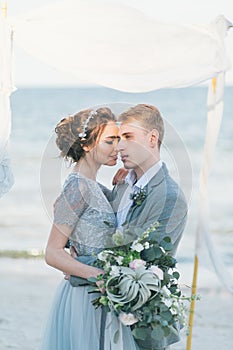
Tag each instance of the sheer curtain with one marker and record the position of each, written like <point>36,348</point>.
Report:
<point>6,88</point>
<point>107,43</point>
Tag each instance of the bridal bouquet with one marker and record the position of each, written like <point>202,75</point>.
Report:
<point>140,284</point>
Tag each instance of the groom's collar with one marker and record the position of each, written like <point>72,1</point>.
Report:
<point>145,178</point>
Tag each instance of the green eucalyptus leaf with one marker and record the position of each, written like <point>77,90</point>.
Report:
<point>153,236</point>
<point>173,330</point>
<point>166,329</point>
<point>157,318</point>
<point>158,252</point>
<point>149,318</point>
<point>143,324</point>
<point>163,308</point>
<point>166,315</point>
<point>176,275</point>
<point>166,245</point>
<point>167,239</point>
<point>92,279</point>
<point>148,254</point>
<point>157,333</point>
<point>164,324</point>
<point>173,289</point>
<point>140,333</point>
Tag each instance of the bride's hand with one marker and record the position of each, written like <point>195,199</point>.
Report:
<point>66,276</point>
<point>120,176</point>
<point>73,252</point>
<point>99,284</point>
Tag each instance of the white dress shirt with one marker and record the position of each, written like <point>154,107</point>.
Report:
<point>126,202</point>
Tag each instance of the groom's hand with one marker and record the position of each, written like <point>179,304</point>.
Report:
<point>120,176</point>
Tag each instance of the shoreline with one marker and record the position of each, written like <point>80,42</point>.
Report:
<point>28,286</point>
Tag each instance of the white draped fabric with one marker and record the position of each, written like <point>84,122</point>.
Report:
<point>6,87</point>
<point>107,43</point>
<point>214,118</point>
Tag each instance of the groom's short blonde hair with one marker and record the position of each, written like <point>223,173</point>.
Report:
<point>148,116</point>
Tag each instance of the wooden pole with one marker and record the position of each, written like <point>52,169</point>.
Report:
<point>4,9</point>
<point>195,270</point>
<point>192,305</point>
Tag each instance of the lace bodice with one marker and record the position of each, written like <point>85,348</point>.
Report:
<point>83,206</point>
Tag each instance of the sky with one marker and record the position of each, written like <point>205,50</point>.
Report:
<point>28,71</point>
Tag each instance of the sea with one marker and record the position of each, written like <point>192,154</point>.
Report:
<point>26,210</point>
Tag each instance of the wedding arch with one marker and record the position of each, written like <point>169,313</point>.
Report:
<point>112,45</point>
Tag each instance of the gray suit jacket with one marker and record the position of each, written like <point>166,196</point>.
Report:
<point>164,202</point>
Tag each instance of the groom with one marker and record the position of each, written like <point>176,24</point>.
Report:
<point>156,196</point>
<point>141,135</point>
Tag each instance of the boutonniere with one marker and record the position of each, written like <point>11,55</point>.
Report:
<point>138,197</point>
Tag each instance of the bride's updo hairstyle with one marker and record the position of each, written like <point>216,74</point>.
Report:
<point>81,129</point>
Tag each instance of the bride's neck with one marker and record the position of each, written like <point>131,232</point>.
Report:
<point>87,167</point>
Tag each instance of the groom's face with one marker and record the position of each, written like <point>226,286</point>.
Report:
<point>134,146</point>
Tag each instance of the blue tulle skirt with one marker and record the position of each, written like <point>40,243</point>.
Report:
<point>74,324</point>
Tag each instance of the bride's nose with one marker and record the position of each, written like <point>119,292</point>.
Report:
<point>115,144</point>
<point>120,145</point>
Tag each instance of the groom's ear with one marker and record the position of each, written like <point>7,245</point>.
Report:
<point>154,137</point>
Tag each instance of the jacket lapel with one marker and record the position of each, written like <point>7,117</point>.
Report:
<point>117,194</point>
<point>136,211</point>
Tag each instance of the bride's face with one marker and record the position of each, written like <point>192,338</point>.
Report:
<point>106,148</point>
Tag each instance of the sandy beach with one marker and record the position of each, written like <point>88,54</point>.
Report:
<point>28,285</point>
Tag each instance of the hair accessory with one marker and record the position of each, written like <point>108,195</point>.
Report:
<point>83,133</point>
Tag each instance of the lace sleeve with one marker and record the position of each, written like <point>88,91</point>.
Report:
<point>70,205</point>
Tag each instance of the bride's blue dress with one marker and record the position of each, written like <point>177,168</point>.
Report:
<point>74,323</point>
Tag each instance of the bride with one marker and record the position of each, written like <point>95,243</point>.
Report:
<point>89,138</point>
